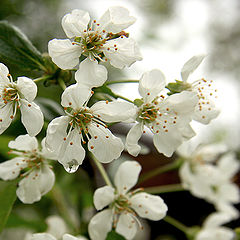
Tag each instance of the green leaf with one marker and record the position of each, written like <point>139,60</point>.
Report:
<point>7,199</point>
<point>4,149</point>
<point>16,49</point>
<point>114,236</point>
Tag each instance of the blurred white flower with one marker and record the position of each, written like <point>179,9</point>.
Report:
<point>66,134</point>
<point>212,229</point>
<point>19,94</point>
<point>97,41</point>
<point>47,236</point>
<point>167,118</point>
<point>37,176</point>
<point>124,205</point>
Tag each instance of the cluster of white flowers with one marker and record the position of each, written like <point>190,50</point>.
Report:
<point>168,117</point>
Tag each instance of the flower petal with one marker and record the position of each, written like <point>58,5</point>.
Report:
<point>24,143</point>
<point>151,84</point>
<point>27,88</point>
<point>116,19</point>
<point>56,226</point>
<point>103,196</point>
<point>5,117</point>
<point>10,169</point>
<point>122,52</point>
<point>220,233</point>
<point>75,96</point>
<point>75,23</point>
<point>100,225</point>
<point>63,53</point>
<point>149,206</point>
<point>132,138</point>
<point>72,153</point>
<point>127,176</point>
<point>70,237</point>
<point>56,132</point>
<point>91,74</point>
<point>217,219</point>
<point>115,111</point>
<point>42,236</point>
<point>190,66</point>
<point>38,183</point>
<point>4,74</point>
<point>103,144</point>
<point>127,226</point>
<point>46,153</point>
<point>32,117</point>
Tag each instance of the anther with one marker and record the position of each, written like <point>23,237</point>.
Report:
<point>71,143</point>
<point>29,105</point>
<point>92,147</point>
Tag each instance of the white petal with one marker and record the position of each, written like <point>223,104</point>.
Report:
<point>149,206</point>
<point>217,219</point>
<point>70,237</point>
<point>38,183</point>
<point>116,19</point>
<point>72,154</point>
<point>114,111</point>
<point>3,74</point>
<point>42,236</point>
<point>91,74</point>
<point>56,226</point>
<point>103,196</point>
<point>190,66</point>
<point>133,136</point>
<point>167,142</point>
<point>5,117</point>
<point>10,169</point>
<point>151,84</point>
<point>27,88</point>
<point>24,143</point>
<point>100,225</point>
<point>63,53</point>
<point>127,176</point>
<point>32,117</point>
<point>56,132</point>
<point>46,153</point>
<point>126,54</point>
<point>75,96</point>
<point>127,226</point>
<point>220,233</point>
<point>75,23</point>
<point>103,144</point>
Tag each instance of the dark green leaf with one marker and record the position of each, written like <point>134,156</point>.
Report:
<point>7,199</point>
<point>114,236</point>
<point>16,50</point>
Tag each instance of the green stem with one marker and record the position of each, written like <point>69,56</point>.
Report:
<point>165,189</point>
<point>121,81</point>
<point>63,207</point>
<point>176,224</point>
<point>62,84</point>
<point>101,170</point>
<point>119,96</point>
<point>42,78</point>
<point>168,167</point>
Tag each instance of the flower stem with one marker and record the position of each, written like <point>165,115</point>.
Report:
<point>62,84</point>
<point>101,170</point>
<point>165,189</point>
<point>119,96</point>
<point>42,78</point>
<point>168,167</point>
<point>121,81</point>
<point>176,224</point>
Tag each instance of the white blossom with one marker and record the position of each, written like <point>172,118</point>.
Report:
<point>32,166</point>
<point>19,94</point>
<point>167,118</point>
<point>211,180</point>
<point>124,205</point>
<point>100,40</point>
<point>66,134</point>
<point>206,110</point>
<point>213,230</point>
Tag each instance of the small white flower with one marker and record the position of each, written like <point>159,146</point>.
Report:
<point>47,236</point>
<point>212,181</point>
<point>103,40</point>
<point>167,118</point>
<point>206,110</point>
<point>38,178</point>
<point>212,229</point>
<point>124,205</point>
<point>66,134</point>
<point>19,94</point>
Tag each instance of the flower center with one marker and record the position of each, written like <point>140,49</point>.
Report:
<point>121,204</point>
<point>9,94</point>
<point>147,113</point>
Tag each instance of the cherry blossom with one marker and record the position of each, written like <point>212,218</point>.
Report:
<point>124,205</point>
<point>32,166</point>
<point>19,94</point>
